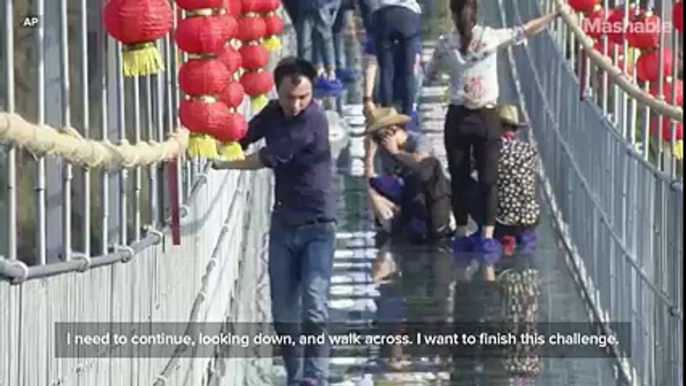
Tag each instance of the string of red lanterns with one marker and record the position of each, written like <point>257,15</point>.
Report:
<point>274,24</point>
<point>203,34</point>
<point>137,24</point>
<point>643,32</point>
<point>254,56</point>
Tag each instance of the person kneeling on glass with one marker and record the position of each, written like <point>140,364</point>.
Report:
<point>412,195</point>
<point>518,208</point>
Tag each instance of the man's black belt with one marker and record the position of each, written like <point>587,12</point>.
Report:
<point>318,221</point>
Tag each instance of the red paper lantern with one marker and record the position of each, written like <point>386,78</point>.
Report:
<point>616,31</point>
<point>137,24</point>
<point>231,25</point>
<point>203,115</point>
<point>250,6</point>
<point>257,83</point>
<point>266,6</point>
<point>583,6</point>
<point>202,35</point>
<point>203,77</point>
<point>231,59</point>
<point>274,25</point>
<point>648,65</point>
<point>233,95</point>
<point>645,31</point>
<point>665,132</point>
<point>254,56</point>
<point>271,5</point>
<point>678,16</point>
<point>668,88</point>
<point>251,28</point>
<point>190,5</point>
<point>234,7</point>
<point>595,23</point>
<point>235,129</point>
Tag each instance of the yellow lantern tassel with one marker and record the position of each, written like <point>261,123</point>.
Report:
<point>258,103</point>
<point>195,145</point>
<point>232,151</point>
<point>202,146</point>
<point>679,150</point>
<point>209,148</point>
<point>273,44</point>
<point>142,60</point>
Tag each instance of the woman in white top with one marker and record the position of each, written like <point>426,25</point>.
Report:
<point>469,56</point>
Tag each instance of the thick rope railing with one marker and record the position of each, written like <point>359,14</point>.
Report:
<point>615,73</point>
<point>69,145</point>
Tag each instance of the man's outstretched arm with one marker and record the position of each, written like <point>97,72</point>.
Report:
<point>254,161</point>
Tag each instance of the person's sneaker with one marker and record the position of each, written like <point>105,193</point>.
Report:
<point>389,187</point>
<point>490,251</point>
<point>309,382</point>
<point>528,241</point>
<point>346,75</point>
<point>414,125</point>
<point>463,247</point>
<point>330,85</point>
<point>509,245</point>
<point>418,230</point>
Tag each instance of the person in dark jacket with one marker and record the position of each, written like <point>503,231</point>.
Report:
<point>395,42</point>
<point>302,238</point>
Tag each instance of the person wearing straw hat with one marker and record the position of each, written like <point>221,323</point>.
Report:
<point>518,210</point>
<point>412,194</point>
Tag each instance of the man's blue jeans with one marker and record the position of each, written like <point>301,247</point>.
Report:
<point>300,268</point>
<point>315,33</point>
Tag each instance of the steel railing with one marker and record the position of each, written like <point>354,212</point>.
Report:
<point>619,211</point>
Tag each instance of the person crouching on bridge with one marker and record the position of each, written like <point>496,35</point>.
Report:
<point>413,194</point>
<point>519,212</point>
<point>303,225</point>
<point>469,56</point>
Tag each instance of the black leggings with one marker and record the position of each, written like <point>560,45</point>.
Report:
<point>476,132</point>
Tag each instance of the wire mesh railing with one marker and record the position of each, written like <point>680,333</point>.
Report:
<point>620,213</point>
